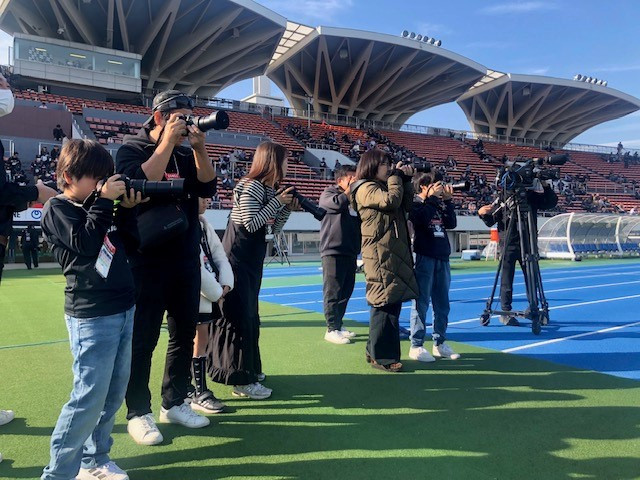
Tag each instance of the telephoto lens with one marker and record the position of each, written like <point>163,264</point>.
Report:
<point>216,120</point>
<point>308,205</point>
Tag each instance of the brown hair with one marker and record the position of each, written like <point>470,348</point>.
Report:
<point>422,180</point>
<point>267,163</point>
<point>83,158</point>
<point>369,163</point>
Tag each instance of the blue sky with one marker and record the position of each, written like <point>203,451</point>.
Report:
<point>600,38</point>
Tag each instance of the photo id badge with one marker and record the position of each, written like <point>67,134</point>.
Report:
<point>105,257</point>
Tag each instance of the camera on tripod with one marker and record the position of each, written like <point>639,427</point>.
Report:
<point>307,205</point>
<point>521,174</point>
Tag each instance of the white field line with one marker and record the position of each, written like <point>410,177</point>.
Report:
<point>570,337</point>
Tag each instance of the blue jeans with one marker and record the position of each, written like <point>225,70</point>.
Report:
<point>101,349</point>
<point>434,279</point>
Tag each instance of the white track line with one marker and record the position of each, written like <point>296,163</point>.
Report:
<point>570,337</point>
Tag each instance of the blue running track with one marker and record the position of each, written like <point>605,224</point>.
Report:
<point>594,310</point>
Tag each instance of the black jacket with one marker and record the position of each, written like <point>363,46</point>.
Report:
<point>537,201</point>
<point>13,198</point>
<point>183,249</point>
<point>340,227</point>
<point>76,237</point>
<point>430,220</point>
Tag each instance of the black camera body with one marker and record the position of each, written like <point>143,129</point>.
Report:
<point>216,120</point>
<point>163,189</point>
<point>420,167</point>
<point>308,205</point>
<point>522,174</point>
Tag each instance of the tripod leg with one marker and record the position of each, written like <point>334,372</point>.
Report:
<point>527,248</point>
<point>544,305</point>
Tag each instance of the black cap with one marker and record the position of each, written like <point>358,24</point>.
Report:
<point>168,101</point>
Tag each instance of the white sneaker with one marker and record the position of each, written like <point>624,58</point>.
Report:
<point>420,354</point>
<point>6,416</point>
<point>108,471</point>
<point>144,431</point>
<point>255,391</point>
<point>182,415</point>
<point>347,333</point>
<point>335,336</point>
<point>444,351</point>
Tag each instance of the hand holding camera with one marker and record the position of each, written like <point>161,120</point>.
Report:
<point>286,196</point>
<point>113,188</point>
<point>447,192</point>
<point>196,137</point>
<point>132,198</point>
<point>408,170</point>
<point>175,129</point>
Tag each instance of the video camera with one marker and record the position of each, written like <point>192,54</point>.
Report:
<point>521,174</point>
<point>308,205</point>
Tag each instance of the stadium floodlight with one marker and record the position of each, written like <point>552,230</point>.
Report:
<point>588,80</point>
<point>418,37</point>
<point>604,84</point>
<point>594,80</point>
<point>405,33</point>
<point>577,77</point>
<point>425,39</point>
<point>438,43</point>
<point>432,41</point>
<point>412,35</point>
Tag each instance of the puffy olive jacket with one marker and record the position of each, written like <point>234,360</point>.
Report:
<point>386,251</point>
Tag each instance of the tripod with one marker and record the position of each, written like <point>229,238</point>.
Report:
<point>280,249</point>
<point>521,217</point>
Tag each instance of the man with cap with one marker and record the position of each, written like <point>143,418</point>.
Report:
<point>167,270</point>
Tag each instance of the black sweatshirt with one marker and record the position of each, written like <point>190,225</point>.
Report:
<point>76,237</point>
<point>340,227</point>
<point>184,249</point>
<point>430,220</point>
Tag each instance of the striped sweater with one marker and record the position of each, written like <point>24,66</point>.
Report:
<point>255,204</point>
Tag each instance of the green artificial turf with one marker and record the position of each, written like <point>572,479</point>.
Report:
<point>486,416</point>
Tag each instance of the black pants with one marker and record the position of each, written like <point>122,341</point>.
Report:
<point>511,255</point>
<point>384,334</point>
<point>30,254</point>
<point>176,291</point>
<point>339,277</point>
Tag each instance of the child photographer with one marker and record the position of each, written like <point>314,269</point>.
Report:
<point>88,241</point>
<point>216,277</point>
<point>432,214</point>
<point>383,197</point>
<point>258,210</point>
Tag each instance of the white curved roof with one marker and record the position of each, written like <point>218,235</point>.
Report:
<point>366,74</point>
<point>541,108</point>
<point>199,47</point>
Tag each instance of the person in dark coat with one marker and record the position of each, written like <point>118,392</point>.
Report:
<point>30,246</point>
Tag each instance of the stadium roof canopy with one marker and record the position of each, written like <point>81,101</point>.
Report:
<point>199,46</point>
<point>368,75</point>
<point>541,108</point>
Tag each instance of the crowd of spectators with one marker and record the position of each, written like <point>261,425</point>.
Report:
<point>12,167</point>
<point>44,166</point>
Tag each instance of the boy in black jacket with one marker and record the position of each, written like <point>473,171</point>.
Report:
<point>431,216</point>
<point>88,241</point>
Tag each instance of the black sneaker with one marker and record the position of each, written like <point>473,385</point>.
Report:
<point>207,402</point>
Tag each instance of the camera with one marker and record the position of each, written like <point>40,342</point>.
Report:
<point>163,189</point>
<point>421,166</point>
<point>521,174</point>
<point>216,120</point>
<point>308,205</point>
<point>464,186</point>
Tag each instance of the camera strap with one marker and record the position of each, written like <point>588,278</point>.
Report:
<point>204,243</point>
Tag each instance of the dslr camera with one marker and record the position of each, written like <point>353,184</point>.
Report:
<point>521,174</point>
<point>163,189</point>
<point>216,120</point>
<point>464,186</point>
<point>307,205</point>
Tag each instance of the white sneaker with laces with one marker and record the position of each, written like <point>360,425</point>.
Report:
<point>6,416</point>
<point>420,354</point>
<point>347,333</point>
<point>444,351</point>
<point>335,336</point>
<point>144,431</point>
<point>255,391</point>
<point>108,471</point>
<point>182,415</point>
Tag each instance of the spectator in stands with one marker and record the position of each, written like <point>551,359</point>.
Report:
<point>227,182</point>
<point>215,201</point>
<point>29,245</point>
<point>339,247</point>
<point>43,105</point>
<point>620,148</point>
<point>58,133</point>
<point>124,128</point>
<point>383,198</point>
<point>55,153</point>
<point>258,210</point>
<point>324,169</point>
<point>166,271</point>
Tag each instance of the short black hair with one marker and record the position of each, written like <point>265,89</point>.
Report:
<point>83,158</point>
<point>423,180</point>
<point>344,171</point>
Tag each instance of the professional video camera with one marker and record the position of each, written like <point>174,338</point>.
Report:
<point>521,174</point>
<point>216,120</point>
<point>308,205</point>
